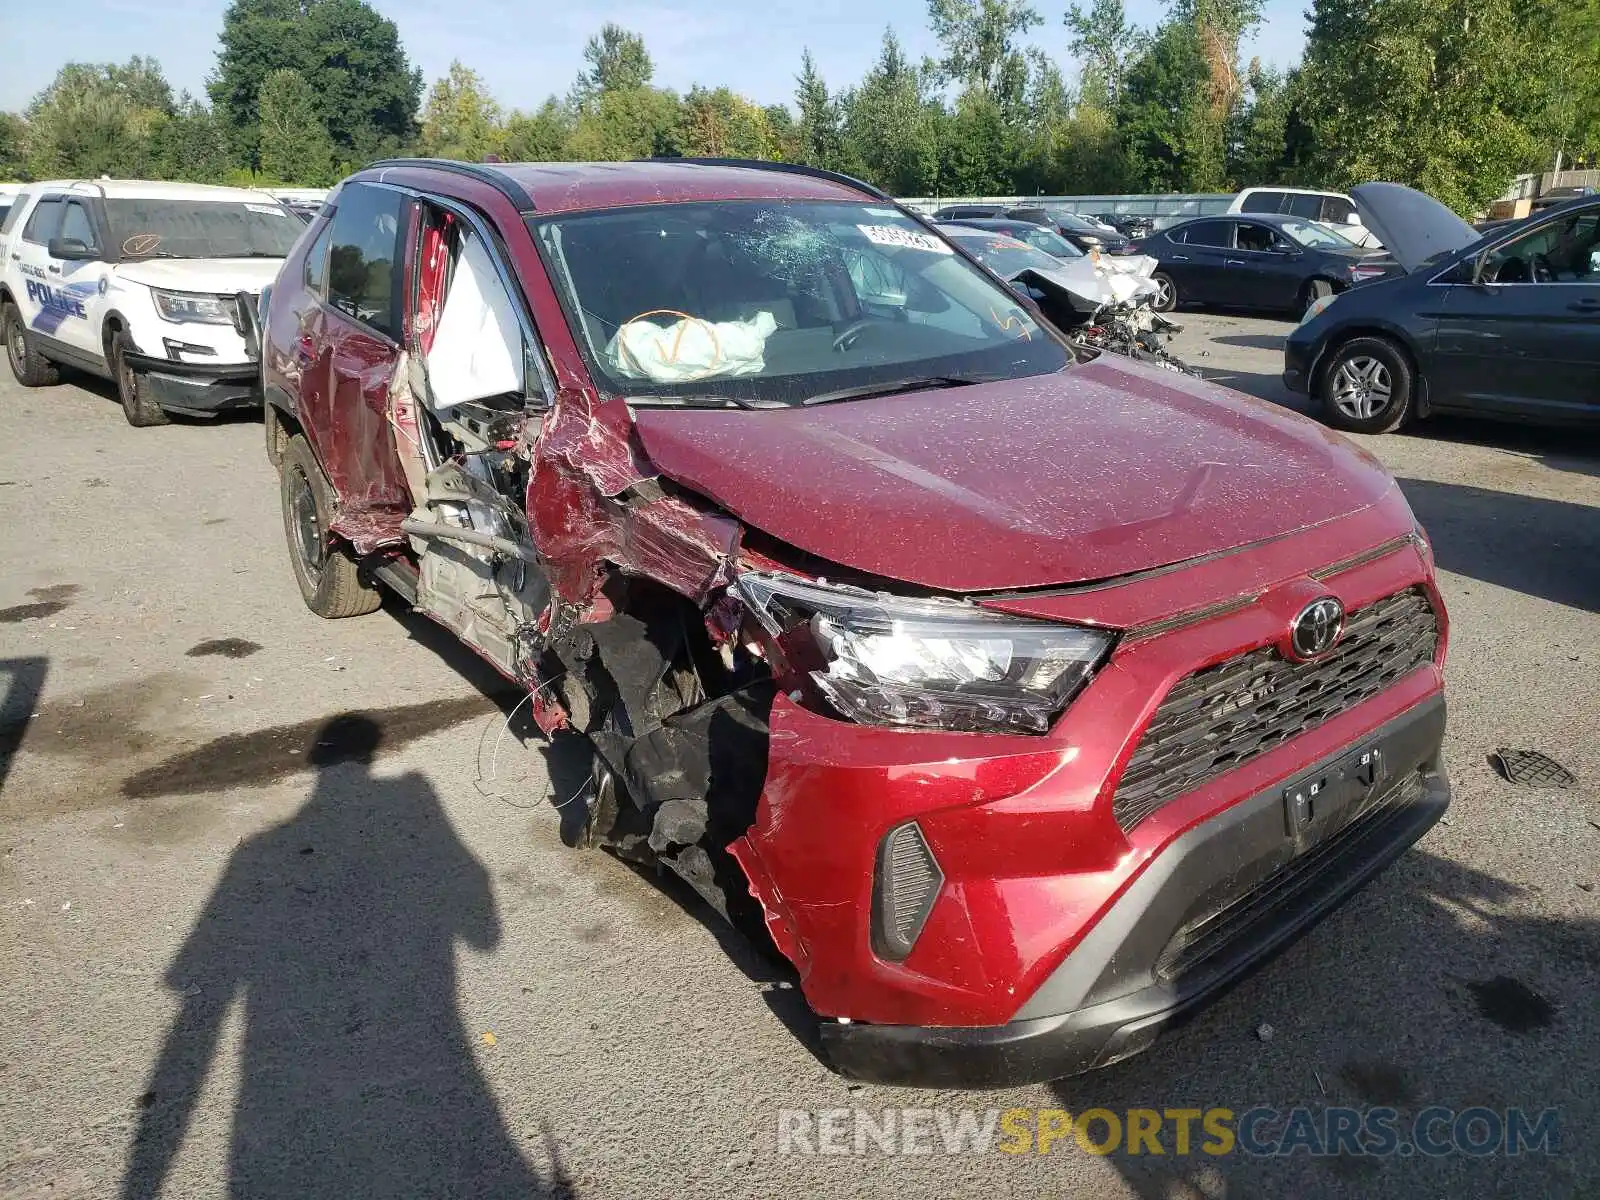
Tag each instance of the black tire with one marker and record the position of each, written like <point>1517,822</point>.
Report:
<point>1167,298</point>
<point>329,575</point>
<point>1368,386</point>
<point>1314,290</point>
<point>137,405</point>
<point>30,368</point>
<point>277,436</point>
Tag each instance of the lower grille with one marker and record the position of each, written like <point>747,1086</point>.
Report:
<point>1227,714</point>
<point>1223,921</point>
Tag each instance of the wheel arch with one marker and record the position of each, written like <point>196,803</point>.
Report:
<point>1383,332</point>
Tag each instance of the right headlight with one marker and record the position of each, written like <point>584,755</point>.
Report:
<point>932,664</point>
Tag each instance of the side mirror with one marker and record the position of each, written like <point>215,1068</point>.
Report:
<point>70,250</point>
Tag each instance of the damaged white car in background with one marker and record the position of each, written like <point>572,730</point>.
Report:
<point>1104,302</point>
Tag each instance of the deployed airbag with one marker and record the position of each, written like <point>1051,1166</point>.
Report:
<point>477,344</point>
<point>690,348</point>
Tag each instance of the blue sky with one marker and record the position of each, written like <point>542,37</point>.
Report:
<point>527,50</point>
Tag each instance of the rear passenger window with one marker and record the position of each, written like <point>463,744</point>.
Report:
<point>1210,233</point>
<point>1338,210</point>
<point>364,257</point>
<point>1306,207</point>
<point>44,222</point>
<point>1262,202</point>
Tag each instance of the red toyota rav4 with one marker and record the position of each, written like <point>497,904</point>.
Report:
<point>1025,701</point>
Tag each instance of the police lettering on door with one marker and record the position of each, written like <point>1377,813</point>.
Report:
<point>56,300</point>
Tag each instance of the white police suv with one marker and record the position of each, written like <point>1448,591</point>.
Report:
<point>151,285</point>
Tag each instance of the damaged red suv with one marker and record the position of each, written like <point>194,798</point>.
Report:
<point>1025,702</point>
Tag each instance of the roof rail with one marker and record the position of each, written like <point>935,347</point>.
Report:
<point>758,164</point>
<point>499,180</point>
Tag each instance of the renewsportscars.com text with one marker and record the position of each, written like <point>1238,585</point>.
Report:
<point>1261,1132</point>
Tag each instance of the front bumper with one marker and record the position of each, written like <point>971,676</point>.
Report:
<point>1299,363</point>
<point>1221,900</point>
<point>199,389</point>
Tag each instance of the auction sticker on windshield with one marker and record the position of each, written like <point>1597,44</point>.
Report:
<point>908,239</point>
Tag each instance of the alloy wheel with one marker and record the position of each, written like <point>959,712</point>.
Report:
<point>1362,388</point>
<point>1163,293</point>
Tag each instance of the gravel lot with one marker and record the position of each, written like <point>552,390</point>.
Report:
<point>390,978</point>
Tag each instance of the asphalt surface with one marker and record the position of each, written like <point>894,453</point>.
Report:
<point>228,968</point>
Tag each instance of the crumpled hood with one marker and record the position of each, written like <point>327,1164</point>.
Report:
<point>1412,226</point>
<point>1088,286</point>
<point>1101,470</point>
<point>221,276</point>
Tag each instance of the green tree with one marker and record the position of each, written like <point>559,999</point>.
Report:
<point>461,119</point>
<point>13,146</point>
<point>618,62</point>
<point>891,125</point>
<point>1172,140</point>
<point>977,147</point>
<point>819,136</point>
<point>365,90</point>
<point>540,136</point>
<point>627,123</point>
<point>979,38</point>
<point>716,123</point>
<point>1448,96</point>
<point>98,119</point>
<point>1258,145</point>
<point>191,144</point>
<point>1105,43</point>
<point>294,145</point>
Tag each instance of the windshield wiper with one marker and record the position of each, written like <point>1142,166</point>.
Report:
<point>920,384</point>
<point>707,401</point>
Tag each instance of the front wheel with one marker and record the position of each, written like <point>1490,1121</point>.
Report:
<point>1367,387</point>
<point>1314,290</point>
<point>137,406</point>
<point>1166,298</point>
<point>328,574</point>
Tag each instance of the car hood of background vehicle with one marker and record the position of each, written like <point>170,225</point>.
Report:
<point>220,276</point>
<point>1103,470</point>
<point>1412,226</point>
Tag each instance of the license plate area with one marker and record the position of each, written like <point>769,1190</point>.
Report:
<point>1320,803</point>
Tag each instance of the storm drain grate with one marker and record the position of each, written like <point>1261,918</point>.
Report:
<point>1529,768</point>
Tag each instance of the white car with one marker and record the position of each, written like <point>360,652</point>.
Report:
<point>1330,208</point>
<point>142,283</point>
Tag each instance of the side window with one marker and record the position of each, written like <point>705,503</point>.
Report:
<point>12,209</point>
<point>364,256</point>
<point>1308,208</point>
<point>44,222</point>
<point>1262,202</point>
<point>1211,233</point>
<point>316,276</point>
<point>1338,211</point>
<point>75,224</point>
<point>1564,251</point>
<point>1257,238</point>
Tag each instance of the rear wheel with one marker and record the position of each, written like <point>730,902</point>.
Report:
<point>1166,293</point>
<point>1367,386</point>
<point>30,367</point>
<point>329,575</point>
<point>1314,290</point>
<point>137,406</point>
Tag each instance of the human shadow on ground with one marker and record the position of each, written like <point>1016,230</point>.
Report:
<point>337,931</point>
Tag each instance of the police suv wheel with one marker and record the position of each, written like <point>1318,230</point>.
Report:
<point>30,367</point>
<point>137,405</point>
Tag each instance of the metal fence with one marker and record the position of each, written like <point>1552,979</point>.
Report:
<point>1165,209</point>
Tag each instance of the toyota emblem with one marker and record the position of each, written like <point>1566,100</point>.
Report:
<point>1317,628</point>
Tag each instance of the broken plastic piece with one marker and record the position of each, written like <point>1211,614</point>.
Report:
<point>1529,768</point>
